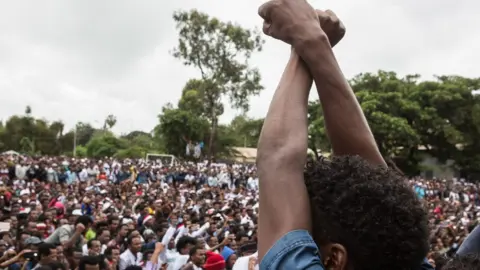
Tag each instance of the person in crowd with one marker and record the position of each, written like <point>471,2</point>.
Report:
<point>47,253</point>
<point>70,235</point>
<point>219,218</point>
<point>356,213</point>
<point>132,255</point>
<point>91,263</point>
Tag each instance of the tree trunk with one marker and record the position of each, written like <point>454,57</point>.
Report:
<point>211,148</point>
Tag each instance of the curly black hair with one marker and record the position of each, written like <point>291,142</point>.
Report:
<point>370,210</point>
<point>464,262</point>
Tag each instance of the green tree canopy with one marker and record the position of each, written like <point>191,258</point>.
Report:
<point>220,51</point>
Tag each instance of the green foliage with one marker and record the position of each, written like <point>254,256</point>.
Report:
<point>81,151</point>
<point>110,121</point>
<point>410,118</point>
<point>220,50</point>
<point>105,146</point>
<point>245,131</point>
<point>177,127</point>
<point>131,152</point>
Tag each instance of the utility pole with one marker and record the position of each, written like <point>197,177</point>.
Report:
<point>75,141</point>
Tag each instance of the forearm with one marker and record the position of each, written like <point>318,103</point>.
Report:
<point>346,125</point>
<point>71,242</point>
<point>284,132</point>
<point>281,157</point>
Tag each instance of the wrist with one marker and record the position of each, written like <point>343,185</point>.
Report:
<point>314,41</point>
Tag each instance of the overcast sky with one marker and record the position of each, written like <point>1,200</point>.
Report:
<point>80,60</point>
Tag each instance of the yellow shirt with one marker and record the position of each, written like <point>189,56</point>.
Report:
<point>90,234</point>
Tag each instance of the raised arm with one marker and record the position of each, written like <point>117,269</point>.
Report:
<point>346,125</point>
<point>281,157</point>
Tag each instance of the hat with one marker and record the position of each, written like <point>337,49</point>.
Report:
<point>146,219</point>
<point>227,252</point>
<point>32,240</point>
<point>214,261</point>
<point>127,221</point>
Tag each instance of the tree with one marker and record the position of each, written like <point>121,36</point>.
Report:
<point>220,50</point>
<point>317,136</point>
<point>177,127</point>
<point>193,98</point>
<point>246,131</point>
<point>136,133</point>
<point>84,132</point>
<point>105,145</point>
<point>110,121</point>
<point>410,118</point>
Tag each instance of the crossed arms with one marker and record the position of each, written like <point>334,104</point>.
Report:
<point>282,145</point>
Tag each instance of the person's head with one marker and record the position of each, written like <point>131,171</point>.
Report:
<point>123,231</point>
<point>212,241</point>
<point>112,253</point>
<point>103,235</point>
<point>57,266</point>
<point>465,262</point>
<point>214,261</point>
<point>197,256</point>
<point>229,256</point>
<point>91,263</point>
<point>134,243</point>
<point>113,223</point>
<point>133,267</point>
<point>185,244</point>
<point>94,247</point>
<point>242,238</point>
<point>60,253</point>
<point>85,220</point>
<point>365,216</point>
<point>47,253</point>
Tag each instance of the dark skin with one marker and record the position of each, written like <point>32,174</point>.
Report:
<point>283,141</point>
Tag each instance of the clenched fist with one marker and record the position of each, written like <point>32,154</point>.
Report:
<point>80,228</point>
<point>289,20</point>
<point>331,25</point>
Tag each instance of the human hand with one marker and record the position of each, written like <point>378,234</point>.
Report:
<point>80,228</point>
<point>289,20</point>
<point>252,261</point>
<point>159,247</point>
<point>331,25</point>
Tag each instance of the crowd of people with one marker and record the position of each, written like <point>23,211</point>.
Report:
<point>348,212</point>
<point>66,213</point>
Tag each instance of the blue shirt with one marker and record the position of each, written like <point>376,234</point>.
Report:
<point>296,250</point>
<point>471,243</point>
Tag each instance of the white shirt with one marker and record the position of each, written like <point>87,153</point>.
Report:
<point>83,175</point>
<point>252,183</point>
<point>127,258</point>
<point>242,262</point>
<point>85,249</point>
<point>178,263</point>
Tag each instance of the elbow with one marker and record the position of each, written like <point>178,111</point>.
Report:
<point>288,155</point>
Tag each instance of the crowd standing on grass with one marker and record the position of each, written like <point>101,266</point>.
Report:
<point>67,213</point>
<point>349,212</point>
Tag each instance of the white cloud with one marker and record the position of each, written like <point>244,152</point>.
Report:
<point>82,60</point>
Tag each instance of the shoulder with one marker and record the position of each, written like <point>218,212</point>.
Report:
<point>295,250</point>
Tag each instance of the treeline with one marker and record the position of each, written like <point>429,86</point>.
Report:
<point>410,118</point>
